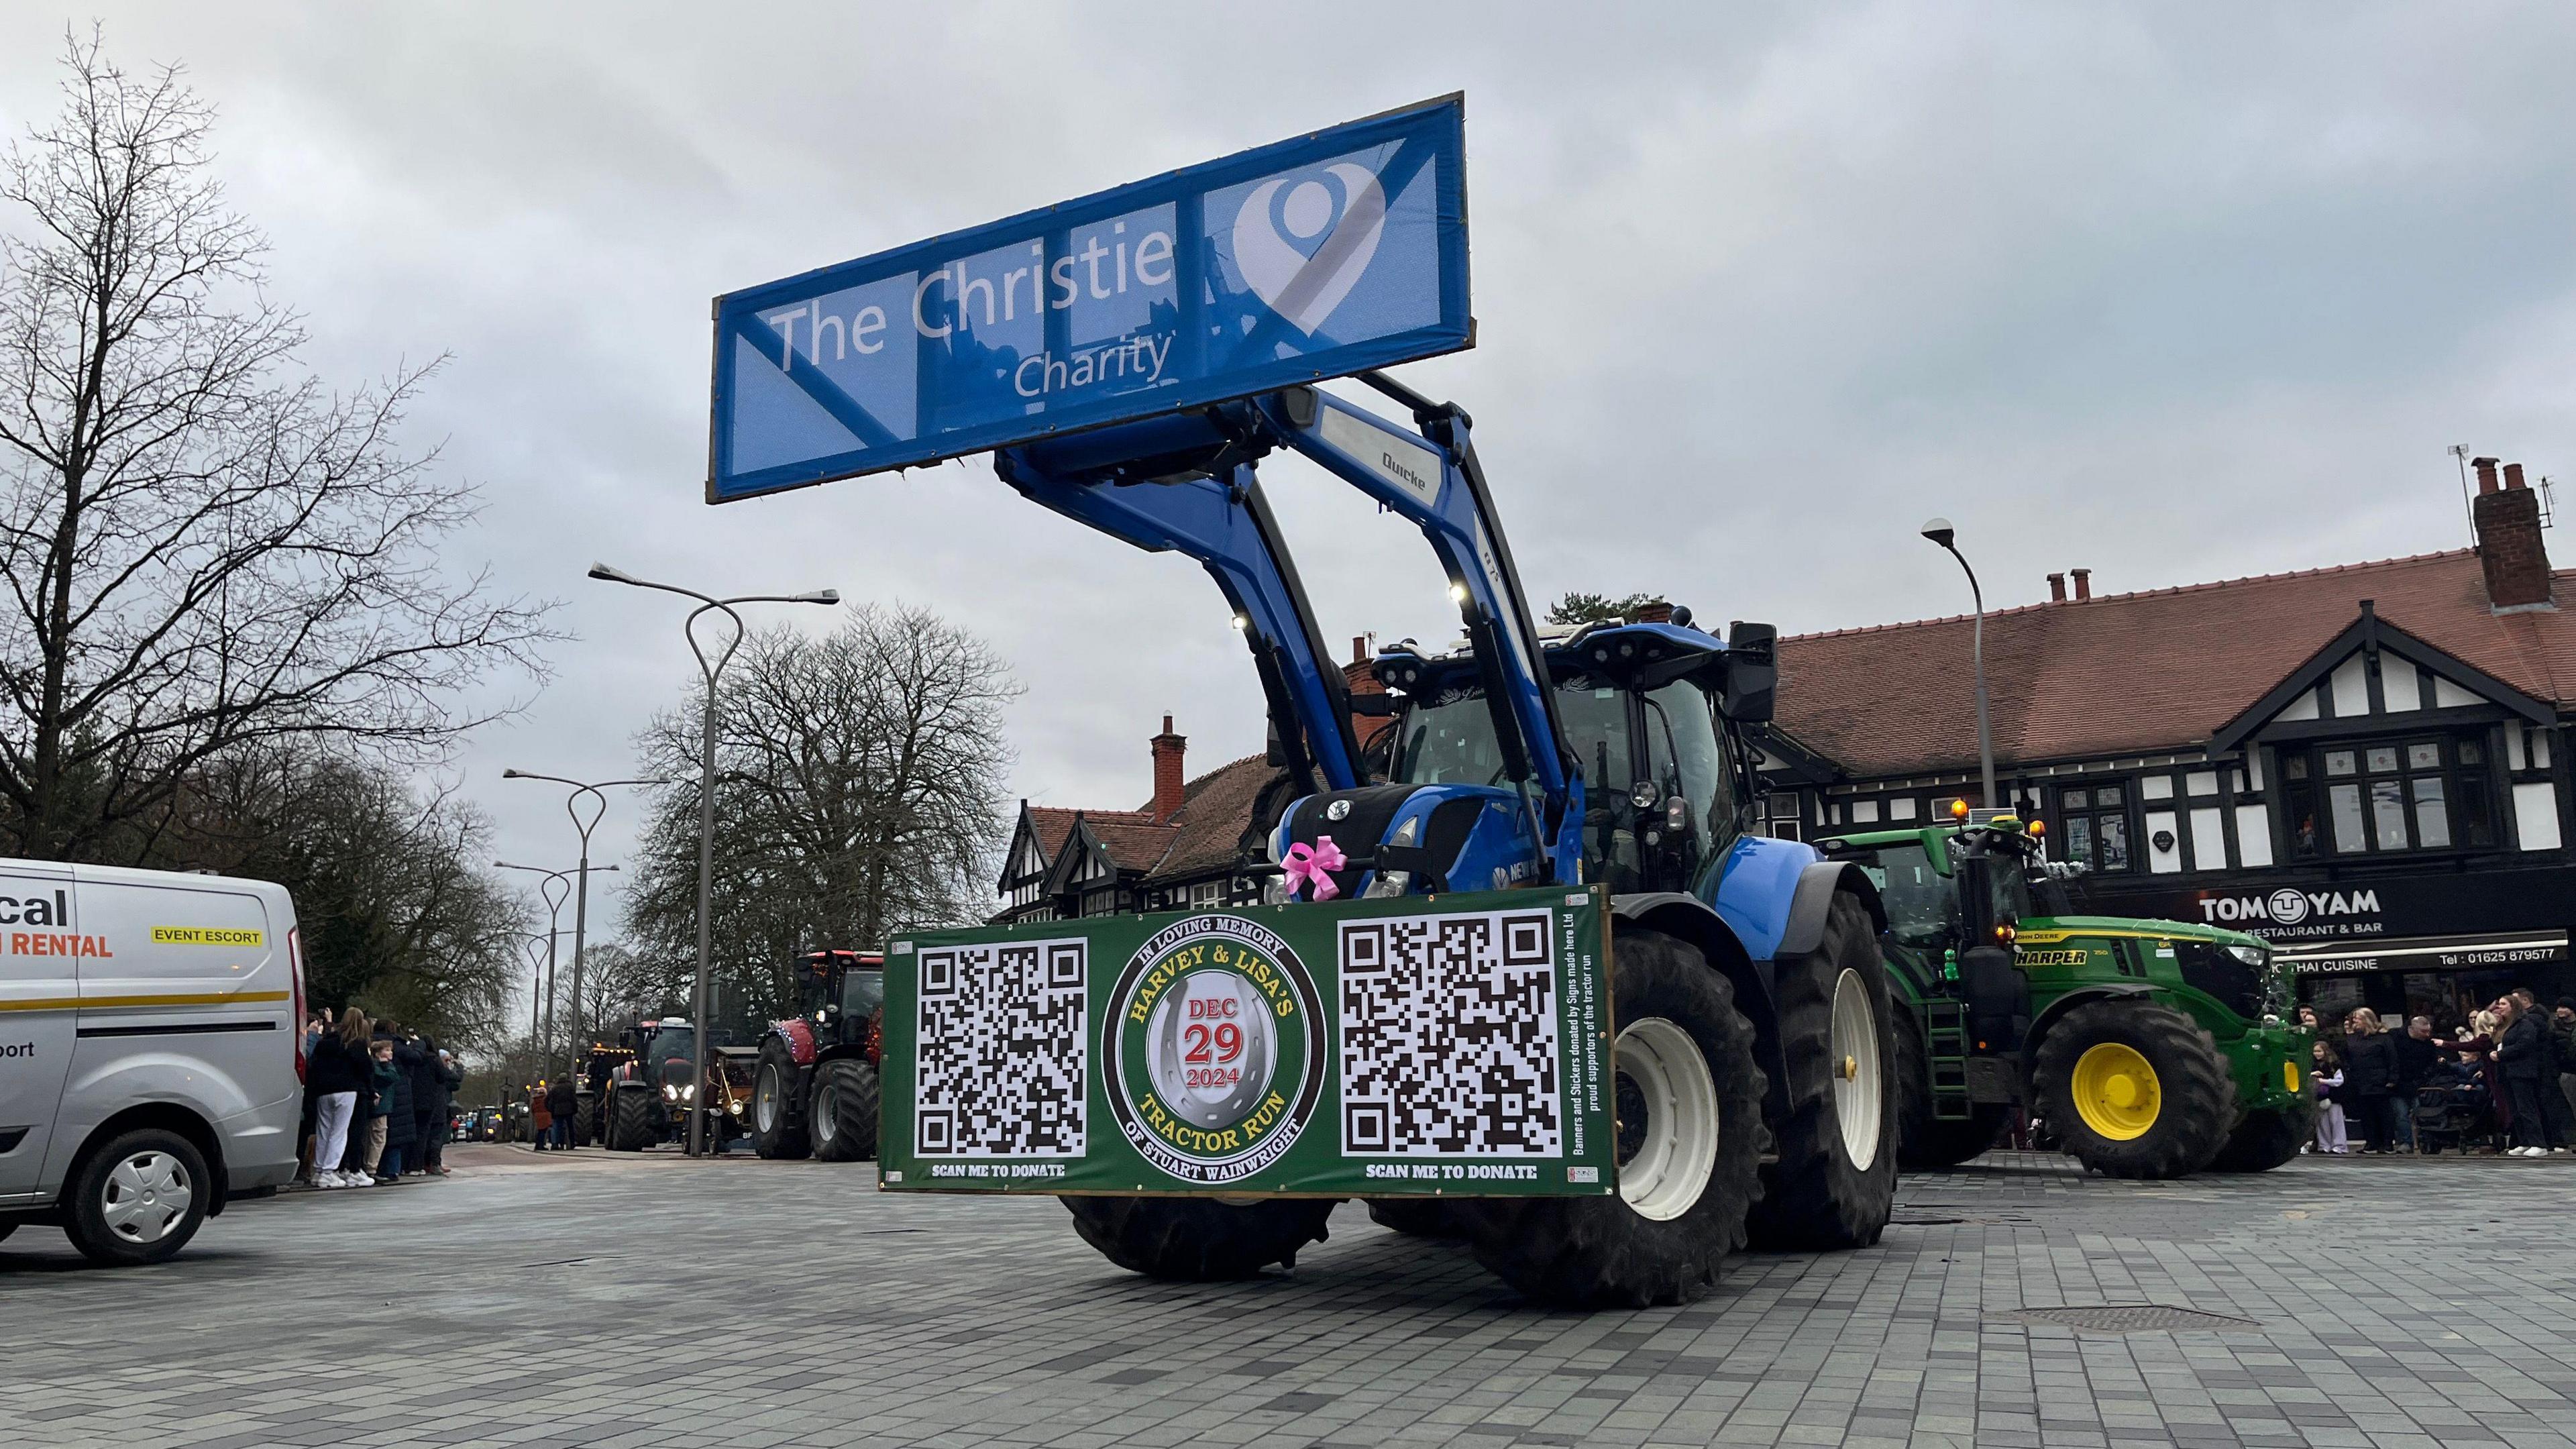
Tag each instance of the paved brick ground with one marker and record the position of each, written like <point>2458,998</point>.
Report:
<point>539,1302</point>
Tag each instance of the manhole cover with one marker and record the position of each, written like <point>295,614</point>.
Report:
<point>2126,1318</point>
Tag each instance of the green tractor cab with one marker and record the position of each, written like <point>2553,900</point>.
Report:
<point>2147,1049</point>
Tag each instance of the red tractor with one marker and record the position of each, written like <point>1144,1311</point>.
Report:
<point>815,1089</point>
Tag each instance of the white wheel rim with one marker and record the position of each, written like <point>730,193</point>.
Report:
<point>1671,1167</point>
<point>764,1103</point>
<point>1857,1077</point>
<point>145,1197</point>
<point>827,1113</point>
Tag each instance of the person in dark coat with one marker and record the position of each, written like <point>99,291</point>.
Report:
<point>428,1099</point>
<point>2419,1055</point>
<point>2523,1059</point>
<point>563,1099</point>
<point>2558,1123</point>
<point>444,1078</point>
<point>2370,1078</point>
<point>402,1127</point>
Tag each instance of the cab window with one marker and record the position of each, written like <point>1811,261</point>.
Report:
<point>1449,741</point>
<point>862,992</point>
<point>1685,758</point>
<point>2007,889</point>
<point>1922,904</point>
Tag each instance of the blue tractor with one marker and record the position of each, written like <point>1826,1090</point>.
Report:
<point>1753,1059</point>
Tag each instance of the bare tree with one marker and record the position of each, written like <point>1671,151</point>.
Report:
<point>203,549</point>
<point>859,793</point>
<point>619,982</point>
<point>399,915</point>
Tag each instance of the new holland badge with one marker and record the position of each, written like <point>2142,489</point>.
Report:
<point>1216,1049</point>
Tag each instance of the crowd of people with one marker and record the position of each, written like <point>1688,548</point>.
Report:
<point>553,1108</point>
<point>375,1103</point>
<point>2505,1079</point>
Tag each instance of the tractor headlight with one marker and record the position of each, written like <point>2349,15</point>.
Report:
<point>670,1093</point>
<point>1388,883</point>
<point>2250,955</point>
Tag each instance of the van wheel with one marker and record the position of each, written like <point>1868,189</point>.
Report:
<point>1833,1185</point>
<point>139,1199</point>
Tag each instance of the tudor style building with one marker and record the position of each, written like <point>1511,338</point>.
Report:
<point>2365,764</point>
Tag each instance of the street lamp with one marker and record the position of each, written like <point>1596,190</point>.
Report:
<point>581,873</point>
<point>707,796</point>
<point>556,886</point>
<point>1939,531</point>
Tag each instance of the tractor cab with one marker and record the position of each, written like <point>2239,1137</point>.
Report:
<point>667,1057</point>
<point>1650,711</point>
<point>840,992</point>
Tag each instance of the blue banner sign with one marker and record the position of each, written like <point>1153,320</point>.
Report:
<point>1317,257</point>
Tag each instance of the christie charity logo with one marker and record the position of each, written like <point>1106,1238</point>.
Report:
<point>1302,248</point>
<point>2289,907</point>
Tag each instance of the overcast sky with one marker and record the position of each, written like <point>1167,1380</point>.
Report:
<point>2175,293</point>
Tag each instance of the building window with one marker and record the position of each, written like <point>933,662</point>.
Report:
<point>2095,825</point>
<point>1783,816</point>
<point>2372,797</point>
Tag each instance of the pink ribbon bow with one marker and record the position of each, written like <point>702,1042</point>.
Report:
<point>1312,866</point>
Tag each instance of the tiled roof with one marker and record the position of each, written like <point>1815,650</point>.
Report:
<point>2123,673</point>
<point>1215,809</point>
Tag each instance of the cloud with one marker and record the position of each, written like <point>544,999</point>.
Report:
<point>2171,292</point>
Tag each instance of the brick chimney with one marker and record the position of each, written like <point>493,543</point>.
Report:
<point>2083,584</point>
<point>1168,776</point>
<point>1656,613</point>
<point>2509,546</point>
<point>2057,588</point>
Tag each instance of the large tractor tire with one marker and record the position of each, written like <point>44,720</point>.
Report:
<point>1416,1217</point>
<point>1925,1143</point>
<point>1832,1183</point>
<point>1199,1240</point>
<point>2134,1089</point>
<point>630,1118</point>
<point>1689,1141</point>
<point>2269,1136</point>
<point>776,1129</point>
<point>844,1113</point>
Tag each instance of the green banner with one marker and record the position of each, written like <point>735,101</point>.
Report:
<point>1374,1048</point>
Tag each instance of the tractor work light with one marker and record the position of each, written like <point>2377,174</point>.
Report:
<point>1958,809</point>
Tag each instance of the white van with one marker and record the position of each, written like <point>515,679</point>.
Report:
<point>151,1051</point>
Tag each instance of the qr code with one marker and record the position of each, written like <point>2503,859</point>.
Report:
<point>1449,1037</point>
<point>1000,1057</point>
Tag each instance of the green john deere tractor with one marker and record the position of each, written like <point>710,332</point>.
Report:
<point>2147,1049</point>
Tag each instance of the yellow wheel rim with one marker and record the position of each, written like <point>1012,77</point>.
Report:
<point>2115,1091</point>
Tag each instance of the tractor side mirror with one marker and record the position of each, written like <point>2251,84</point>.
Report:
<point>1752,672</point>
